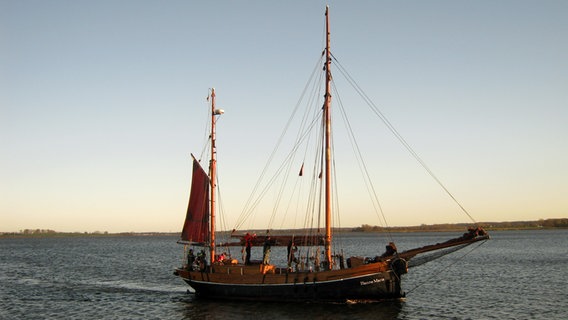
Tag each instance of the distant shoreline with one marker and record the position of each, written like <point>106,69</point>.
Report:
<point>543,224</point>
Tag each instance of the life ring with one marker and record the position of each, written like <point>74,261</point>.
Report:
<point>399,266</point>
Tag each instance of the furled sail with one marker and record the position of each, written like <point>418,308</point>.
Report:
<point>196,225</point>
<point>432,252</point>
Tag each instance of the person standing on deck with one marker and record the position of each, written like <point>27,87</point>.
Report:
<point>190,259</point>
<point>266,251</point>
<point>248,245</point>
<point>291,249</point>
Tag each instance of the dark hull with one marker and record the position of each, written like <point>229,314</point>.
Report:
<point>379,280</point>
<point>374,286</point>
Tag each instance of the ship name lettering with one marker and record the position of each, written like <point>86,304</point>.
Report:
<point>365,283</point>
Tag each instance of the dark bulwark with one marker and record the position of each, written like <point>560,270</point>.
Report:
<point>240,282</point>
<point>368,279</point>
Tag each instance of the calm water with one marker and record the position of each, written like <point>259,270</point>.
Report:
<point>516,275</point>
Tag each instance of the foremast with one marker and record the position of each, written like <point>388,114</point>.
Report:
<point>213,177</point>
<point>327,119</point>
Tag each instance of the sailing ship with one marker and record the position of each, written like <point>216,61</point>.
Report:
<point>312,269</point>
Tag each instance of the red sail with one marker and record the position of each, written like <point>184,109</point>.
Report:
<point>196,226</point>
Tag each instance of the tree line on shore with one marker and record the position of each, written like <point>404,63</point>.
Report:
<point>508,225</point>
<point>31,233</point>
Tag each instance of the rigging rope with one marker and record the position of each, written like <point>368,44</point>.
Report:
<point>253,201</point>
<point>207,132</point>
<point>395,132</point>
<point>362,165</point>
<point>446,268</point>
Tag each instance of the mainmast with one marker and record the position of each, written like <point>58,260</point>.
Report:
<point>327,115</point>
<point>212,173</point>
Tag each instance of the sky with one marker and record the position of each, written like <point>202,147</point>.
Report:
<point>102,102</point>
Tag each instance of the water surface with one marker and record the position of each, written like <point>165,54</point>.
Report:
<point>516,275</point>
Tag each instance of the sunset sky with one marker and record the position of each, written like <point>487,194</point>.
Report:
<point>102,102</point>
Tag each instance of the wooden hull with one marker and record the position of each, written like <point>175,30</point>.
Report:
<point>373,281</point>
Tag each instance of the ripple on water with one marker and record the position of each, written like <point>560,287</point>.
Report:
<point>516,275</point>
